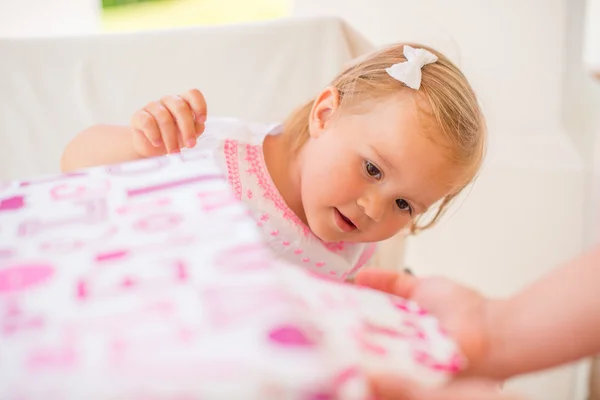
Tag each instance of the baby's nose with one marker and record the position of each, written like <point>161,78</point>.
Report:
<point>373,206</point>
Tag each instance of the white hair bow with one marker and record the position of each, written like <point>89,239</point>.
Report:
<point>409,71</point>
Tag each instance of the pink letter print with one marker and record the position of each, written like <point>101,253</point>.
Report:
<point>21,277</point>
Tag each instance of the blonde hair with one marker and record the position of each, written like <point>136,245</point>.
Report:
<point>452,105</point>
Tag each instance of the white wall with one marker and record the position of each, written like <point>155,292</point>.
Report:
<point>581,100</point>
<point>591,57</point>
<point>512,50</point>
<point>592,42</point>
<point>21,18</point>
<point>585,25</point>
<point>531,208</point>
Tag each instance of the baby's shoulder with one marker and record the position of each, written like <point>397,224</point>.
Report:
<point>220,129</point>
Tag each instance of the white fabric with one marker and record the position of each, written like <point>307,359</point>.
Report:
<point>409,71</point>
<point>149,281</point>
<point>52,88</point>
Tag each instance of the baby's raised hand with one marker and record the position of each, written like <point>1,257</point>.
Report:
<point>170,124</point>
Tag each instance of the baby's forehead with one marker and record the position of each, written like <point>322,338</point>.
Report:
<point>406,107</point>
<point>402,120</point>
<point>412,142</point>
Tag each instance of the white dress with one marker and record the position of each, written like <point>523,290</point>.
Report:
<point>238,149</point>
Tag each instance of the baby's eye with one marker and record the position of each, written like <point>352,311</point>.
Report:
<point>372,170</point>
<point>404,206</point>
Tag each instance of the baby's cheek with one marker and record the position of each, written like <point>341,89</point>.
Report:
<point>330,180</point>
<point>389,227</point>
<point>344,187</point>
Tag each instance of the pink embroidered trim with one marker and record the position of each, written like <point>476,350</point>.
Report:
<point>270,192</point>
<point>336,247</point>
<point>230,148</point>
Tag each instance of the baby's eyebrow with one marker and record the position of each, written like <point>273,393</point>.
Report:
<point>384,160</point>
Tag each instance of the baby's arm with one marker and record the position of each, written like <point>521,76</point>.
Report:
<point>99,145</point>
<point>554,321</point>
<point>162,127</point>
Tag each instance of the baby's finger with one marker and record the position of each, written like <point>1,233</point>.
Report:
<point>397,283</point>
<point>184,118</point>
<point>166,124</point>
<point>142,121</point>
<point>196,100</point>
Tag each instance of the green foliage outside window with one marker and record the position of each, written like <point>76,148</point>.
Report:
<point>113,3</point>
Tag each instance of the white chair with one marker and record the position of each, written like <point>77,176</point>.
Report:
<point>52,88</point>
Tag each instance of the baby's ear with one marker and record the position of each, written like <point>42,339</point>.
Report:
<point>324,107</point>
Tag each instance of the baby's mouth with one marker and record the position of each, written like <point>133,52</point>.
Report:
<point>344,223</point>
<point>347,220</point>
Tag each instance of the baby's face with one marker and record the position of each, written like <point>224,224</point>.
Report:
<point>366,176</point>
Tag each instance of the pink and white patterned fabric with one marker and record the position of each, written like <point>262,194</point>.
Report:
<point>150,281</point>
<point>237,147</point>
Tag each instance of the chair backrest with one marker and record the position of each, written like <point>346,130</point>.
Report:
<point>52,88</point>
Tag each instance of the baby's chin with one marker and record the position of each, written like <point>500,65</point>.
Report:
<point>325,235</point>
<point>331,236</point>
